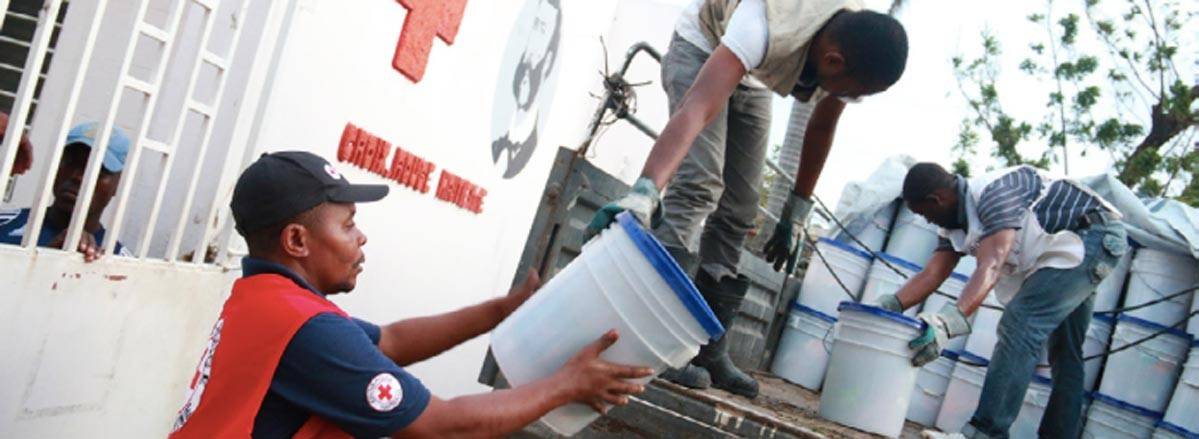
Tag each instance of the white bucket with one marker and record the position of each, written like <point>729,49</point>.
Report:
<point>912,238</point>
<point>623,280</point>
<point>870,374</point>
<point>1145,374</point>
<point>876,228</point>
<point>820,290</point>
<point>1184,405</point>
<point>1111,418</point>
<point>1156,274</point>
<point>1098,334</point>
<point>1107,294</point>
<point>931,383</point>
<point>966,265</point>
<point>802,356</point>
<point>882,279</point>
<point>952,286</point>
<point>984,329</point>
<point>1033,409</point>
<point>1168,430</point>
<point>961,397</point>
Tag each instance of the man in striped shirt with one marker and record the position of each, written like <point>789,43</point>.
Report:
<point>1043,244</point>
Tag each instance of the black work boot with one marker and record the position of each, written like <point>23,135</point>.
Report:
<point>689,375</point>
<point>724,297</point>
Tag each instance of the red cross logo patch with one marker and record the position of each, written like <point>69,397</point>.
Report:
<point>384,392</point>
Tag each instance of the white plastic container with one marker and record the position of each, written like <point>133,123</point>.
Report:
<point>875,229</point>
<point>1033,409</point>
<point>912,237</point>
<point>961,397</point>
<point>1107,294</point>
<point>952,286</point>
<point>1183,410</point>
<point>1156,274</point>
<point>1145,374</point>
<point>623,280</point>
<point>1110,418</point>
<point>870,375</point>
<point>882,279</point>
<point>1098,335</point>
<point>931,383</point>
<point>1167,430</point>
<point>802,355</point>
<point>966,265</point>
<point>820,290</point>
<point>984,329</point>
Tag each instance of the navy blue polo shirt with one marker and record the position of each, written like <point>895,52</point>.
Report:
<point>333,368</point>
<point>12,231</point>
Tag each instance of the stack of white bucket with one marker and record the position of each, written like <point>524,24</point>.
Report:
<point>836,267</point>
<point>1144,391</point>
<point>1148,389</point>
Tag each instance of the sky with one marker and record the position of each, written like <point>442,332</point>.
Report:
<point>921,114</point>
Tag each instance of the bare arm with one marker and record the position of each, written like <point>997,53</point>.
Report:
<point>919,287</point>
<point>409,341</point>
<point>704,100</point>
<point>817,140</point>
<point>992,252</point>
<point>585,379</point>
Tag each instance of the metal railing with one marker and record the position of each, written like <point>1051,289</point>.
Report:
<point>150,91</point>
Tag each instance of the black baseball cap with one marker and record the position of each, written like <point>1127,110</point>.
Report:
<point>283,184</point>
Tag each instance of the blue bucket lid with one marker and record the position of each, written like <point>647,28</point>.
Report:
<point>895,260</point>
<point>795,306</point>
<point>960,276</point>
<point>1154,326</point>
<point>672,274</point>
<point>1099,397</point>
<point>1176,429</point>
<point>874,310</point>
<point>966,356</point>
<point>951,354</point>
<point>1042,380</point>
<point>1104,317</point>
<point>849,248</point>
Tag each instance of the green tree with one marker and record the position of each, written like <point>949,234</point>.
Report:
<point>1128,99</point>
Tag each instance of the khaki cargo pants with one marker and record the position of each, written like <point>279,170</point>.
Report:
<point>717,185</point>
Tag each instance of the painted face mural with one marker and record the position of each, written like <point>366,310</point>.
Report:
<point>526,85</point>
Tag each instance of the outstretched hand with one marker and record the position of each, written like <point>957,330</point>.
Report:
<point>598,383</point>
<point>521,293</point>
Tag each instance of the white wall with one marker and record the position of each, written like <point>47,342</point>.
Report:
<point>426,256</point>
<point>105,349</point>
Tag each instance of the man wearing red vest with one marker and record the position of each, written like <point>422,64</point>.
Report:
<point>283,361</point>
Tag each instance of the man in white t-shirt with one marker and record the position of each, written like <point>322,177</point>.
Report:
<point>724,60</point>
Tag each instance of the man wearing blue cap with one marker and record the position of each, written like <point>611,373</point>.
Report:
<point>67,184</point>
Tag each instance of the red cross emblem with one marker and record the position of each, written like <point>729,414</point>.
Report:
<point>385,392</point>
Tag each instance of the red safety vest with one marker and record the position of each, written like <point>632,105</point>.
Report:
<point>258,321</point>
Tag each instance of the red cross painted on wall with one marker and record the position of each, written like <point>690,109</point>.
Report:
<point>426,19</point>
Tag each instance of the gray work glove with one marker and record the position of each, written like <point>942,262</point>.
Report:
<point>642,201</point>
<point>889,302</point>
<point>942,326</point>
<point>779,248</point>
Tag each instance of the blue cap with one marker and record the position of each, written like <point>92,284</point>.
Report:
<point>1176,429</point>
<point>886,314</point>
<point>1135,409</point>
<point>848,248</point>
<point>797,307</point>
<point>118,143</point>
